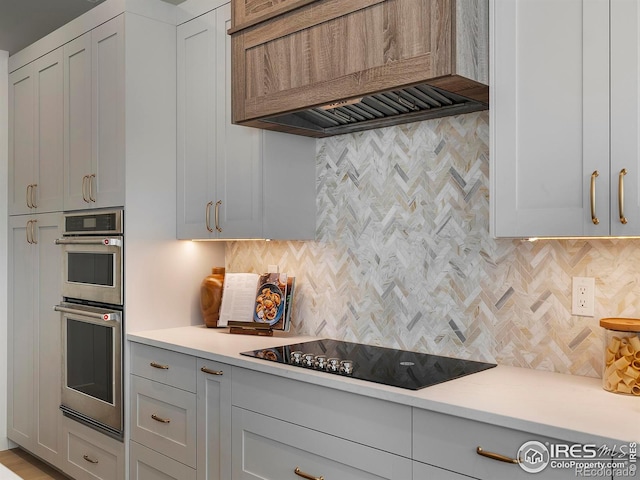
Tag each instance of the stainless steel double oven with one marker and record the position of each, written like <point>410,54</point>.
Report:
<point>92,319</point>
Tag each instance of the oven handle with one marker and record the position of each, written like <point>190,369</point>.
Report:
<point>116,242</point>
<point>107,316</point>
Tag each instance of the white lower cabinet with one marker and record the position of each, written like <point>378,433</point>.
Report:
<point>265,448</point>
<point>451,443</point>
<point>233,423</point>
<point>164,418</point>
<point>180,416</point>
<point>147,464</point>
<point>91,455</point>
<point>34,336</point>
<point>214,420</point>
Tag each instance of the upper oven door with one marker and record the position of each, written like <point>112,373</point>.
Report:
<point>92,268</point>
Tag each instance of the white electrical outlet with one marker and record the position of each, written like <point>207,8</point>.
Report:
<point>583,297</point>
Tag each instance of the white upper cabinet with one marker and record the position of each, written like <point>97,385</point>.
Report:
<point>94,157</point>
<point>35,136</point>
<point>564,118</point>
<point>625,116</point>
<point>233,181</point>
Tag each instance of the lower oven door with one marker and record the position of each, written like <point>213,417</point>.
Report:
<point>92,365</point>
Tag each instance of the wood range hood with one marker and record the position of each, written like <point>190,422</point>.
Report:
<point>326,67</point>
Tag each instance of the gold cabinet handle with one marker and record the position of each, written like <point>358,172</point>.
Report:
<point>84,188</point>
<point>32,227</point>
<point>218,203</point>
<point>496,456</point>
<point>160,419</point>
<point>300,473</point>
<point>211,372</point>
<point>27,230</point>
<point>91,197</point>
<point>623,219</point>
<point>33,195</point>
<point>159,365</point>
<point>89,459</point>
<point>594,219</point>
<point>207,216</point>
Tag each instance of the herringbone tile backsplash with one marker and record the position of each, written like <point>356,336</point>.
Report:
<point>404,259</point>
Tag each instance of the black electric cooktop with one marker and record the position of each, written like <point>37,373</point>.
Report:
<point>397,368</point>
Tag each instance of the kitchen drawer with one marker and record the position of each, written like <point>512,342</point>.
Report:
<point>264,448</point>
<point>422,471</point>
<point>147,464</point>
<point>164,366</point>
<point>89,454</point>
<point>450,442</point>
<point>164,418</point>
<point>378,423</point>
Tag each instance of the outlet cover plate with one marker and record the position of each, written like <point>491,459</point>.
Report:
<point>583,296</point>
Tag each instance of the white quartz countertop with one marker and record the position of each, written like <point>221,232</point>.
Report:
<point>565,407</point>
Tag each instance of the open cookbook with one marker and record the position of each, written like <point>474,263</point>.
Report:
<point>251,297</point>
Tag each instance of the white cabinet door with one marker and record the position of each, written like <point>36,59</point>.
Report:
<point>21,139</point>
<point>549,117</point>
<point>164,419</point>
<point>268,449</point>
<point>451,443</point>
<point>21,331</point>
<point>422,471</point>
<point>106,185</point>
<point>77,122</point>
<point>214,420</point>
<point>89,454</point>
<point>233,181</point>
<point>239,164</point>
<point>47,192</point>
<point>196,132</point>
<point>35,136</point>
<point>219,164</point>
<point>48,339</point>
<point>625,117</point>
<point>94,118</point>
<point>147,464</point>
<point>34,334</point>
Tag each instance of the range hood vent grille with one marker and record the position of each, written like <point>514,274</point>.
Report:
<point>409,104</point>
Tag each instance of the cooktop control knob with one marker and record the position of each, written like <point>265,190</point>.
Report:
<point>296,357</point>
<point>333,365</point>
<point>320,362</point>
<point>308,360</point>
<point>346,367</point>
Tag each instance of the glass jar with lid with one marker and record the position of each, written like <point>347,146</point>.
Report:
<point>621,373</point>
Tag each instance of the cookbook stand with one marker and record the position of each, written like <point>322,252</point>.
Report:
<point>250,328</point>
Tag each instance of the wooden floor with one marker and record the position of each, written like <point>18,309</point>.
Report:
<point>27,466</point>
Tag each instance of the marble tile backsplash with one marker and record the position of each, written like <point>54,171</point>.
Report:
<point>403,257</point>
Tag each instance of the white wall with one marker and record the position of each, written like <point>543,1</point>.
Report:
<point>4,153</point>
<point>163,274</point>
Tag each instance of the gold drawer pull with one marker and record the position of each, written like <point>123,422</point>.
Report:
<point>160,419</point>
<point>594,217</point>
<point>211,372</point>
<point>89,459</point>
<point>300,473</point>
<point>159,365</point>
<point>207,217</point>
<point>217,216</point>
<point>623,219</point>
<point>496,456</point>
